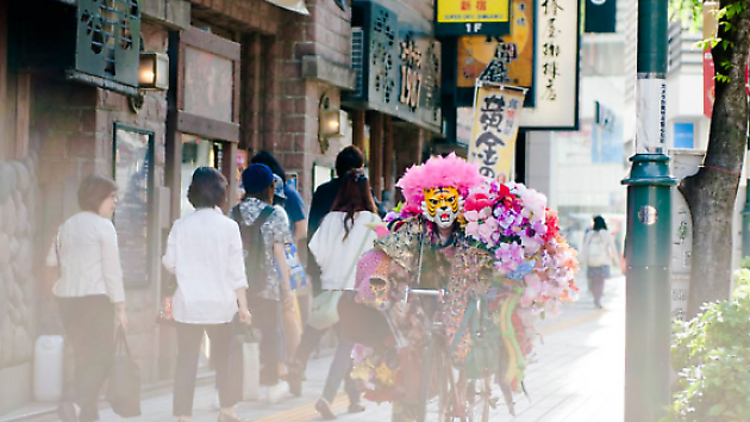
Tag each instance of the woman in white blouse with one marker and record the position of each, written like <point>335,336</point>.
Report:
<point>89,292</point>
<point>204,252</point>
<point>344,235</point>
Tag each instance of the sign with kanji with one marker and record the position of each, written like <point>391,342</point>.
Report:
<point>458,17</point>
<point>492,146</point>
<point>507,59</point>
<point>556,56</point>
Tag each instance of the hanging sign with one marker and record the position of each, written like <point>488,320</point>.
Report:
<point>493,137</point>
<point>459,17</point>
<point>556,71</point>
<point>510,58</point>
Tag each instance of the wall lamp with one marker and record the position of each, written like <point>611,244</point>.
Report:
<point>153,75</point>
<point>329,123</point>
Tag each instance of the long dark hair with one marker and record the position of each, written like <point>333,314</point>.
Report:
<point>599,223</point>
<point>354,196</point>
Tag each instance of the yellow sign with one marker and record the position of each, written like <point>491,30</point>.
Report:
<point>463,11</point>
<point>512,55</point>
<point>497,116</point>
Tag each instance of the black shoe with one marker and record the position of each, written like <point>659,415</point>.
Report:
<point>67,412</point>
<point>356,408</point>
<point>324,409</point>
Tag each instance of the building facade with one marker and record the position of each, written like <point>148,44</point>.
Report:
<point>243,76</point>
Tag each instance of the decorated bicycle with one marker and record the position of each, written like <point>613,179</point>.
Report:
<point>458,278</point>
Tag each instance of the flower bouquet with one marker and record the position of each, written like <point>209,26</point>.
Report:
<point>534,265</point>
<point>513,223</point>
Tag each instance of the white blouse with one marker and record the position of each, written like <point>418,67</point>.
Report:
<point>86,252</point>
<point>338,257</point>
<point>204,252</point>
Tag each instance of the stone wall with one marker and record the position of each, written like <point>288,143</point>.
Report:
<point>18,198</point>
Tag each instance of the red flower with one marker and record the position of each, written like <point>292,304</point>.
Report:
<point>477,202</point>
<point>553,225</point>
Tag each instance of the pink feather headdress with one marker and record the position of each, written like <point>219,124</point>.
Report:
<point>438,172</point>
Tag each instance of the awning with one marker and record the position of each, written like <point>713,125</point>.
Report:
<point>293,5</point>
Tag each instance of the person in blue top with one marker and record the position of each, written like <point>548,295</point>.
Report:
<point>292,204</point>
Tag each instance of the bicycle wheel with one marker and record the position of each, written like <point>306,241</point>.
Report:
<point>478,399</point>
<point>433,390</point>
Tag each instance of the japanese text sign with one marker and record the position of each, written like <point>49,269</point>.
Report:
<point>556,73</point>
<point>505,59</point>
<point>493,137</point>
<point>457,17</point>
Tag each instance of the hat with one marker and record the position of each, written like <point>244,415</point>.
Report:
<point>278,187</point>
<point>256,178</point>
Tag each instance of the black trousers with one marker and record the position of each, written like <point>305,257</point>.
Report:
<point>267,318</point>
<point>224,355</point>
<point>89,323</point>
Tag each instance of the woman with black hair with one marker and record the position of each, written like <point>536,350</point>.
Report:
<point>598,254</point>
<point>204,252</point>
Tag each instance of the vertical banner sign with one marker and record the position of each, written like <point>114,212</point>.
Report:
<point>493,136</point>
<point>556,71</point>
<point>478,17</point>
<point>710,27</point>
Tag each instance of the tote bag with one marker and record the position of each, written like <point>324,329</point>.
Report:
<point>324,312</point>
<point>124,385</point>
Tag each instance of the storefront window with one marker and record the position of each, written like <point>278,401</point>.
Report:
<point>196,152</point>
<point>133,173</point>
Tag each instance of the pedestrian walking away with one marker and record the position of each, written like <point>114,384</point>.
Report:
<point>344,235</point>
<point>265,232</point>
<point>204,252</point>
<point>89,291</point>
<point>598,254</point>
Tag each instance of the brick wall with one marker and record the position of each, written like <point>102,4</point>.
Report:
<point>242,15</point>
<point>325,33</point>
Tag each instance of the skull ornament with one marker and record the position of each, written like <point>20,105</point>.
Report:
<point>441,205</point>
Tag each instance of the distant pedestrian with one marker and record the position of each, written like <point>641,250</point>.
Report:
<point>89,292</point>
<point>204,252</point>
<point>599,254</point>
<point>344,235</point>
<point>269,290</point>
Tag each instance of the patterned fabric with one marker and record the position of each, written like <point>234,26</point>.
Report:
<point>274,230</point>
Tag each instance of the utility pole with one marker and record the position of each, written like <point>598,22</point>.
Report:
<point>648,244</point>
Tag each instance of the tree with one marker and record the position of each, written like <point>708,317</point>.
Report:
<point>711,193</point>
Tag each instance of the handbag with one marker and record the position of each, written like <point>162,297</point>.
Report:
<point>124,385</point>
<point>324,312</point>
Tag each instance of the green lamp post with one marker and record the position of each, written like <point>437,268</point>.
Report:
<point>648,245</point>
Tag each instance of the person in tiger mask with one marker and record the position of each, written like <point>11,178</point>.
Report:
<point>424,247</point>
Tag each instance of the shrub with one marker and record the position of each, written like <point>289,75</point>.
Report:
<point>711,353</point>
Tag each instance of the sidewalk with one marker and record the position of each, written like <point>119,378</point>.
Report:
<point>577,376</point>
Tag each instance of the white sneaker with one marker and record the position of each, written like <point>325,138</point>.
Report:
<point>275,393</point>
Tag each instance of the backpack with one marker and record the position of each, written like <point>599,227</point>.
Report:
<point>597,250</point>
<point>254,248</point>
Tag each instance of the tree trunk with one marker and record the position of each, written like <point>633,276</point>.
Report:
<point>712,192</point>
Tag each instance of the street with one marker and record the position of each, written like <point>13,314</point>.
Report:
<point>577,376</point>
